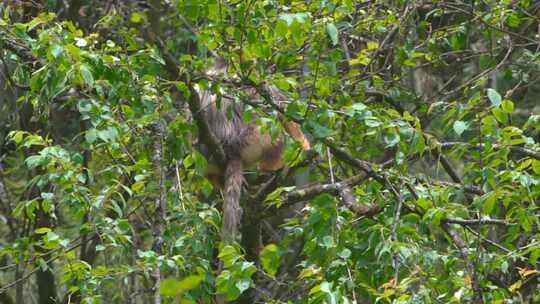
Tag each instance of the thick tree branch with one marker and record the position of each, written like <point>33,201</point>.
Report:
<point>309,192</point>
<point>340,188</point>
<point>348,199</point>
<point>160,211</point>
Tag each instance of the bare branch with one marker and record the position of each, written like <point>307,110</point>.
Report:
<point>473,222</point>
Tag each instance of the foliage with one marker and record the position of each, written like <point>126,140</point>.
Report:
<point>423,185</point>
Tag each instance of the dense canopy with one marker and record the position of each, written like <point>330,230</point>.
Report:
<point>421,184</point>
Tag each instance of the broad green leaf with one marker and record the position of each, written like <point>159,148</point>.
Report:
<point>328,241</point>
<point>16,136</point>
<point>243,285</point>
<point>345,253</point>
<point>87,75</point>
<point>536,166</point>
<point>533,257</point>
<point>513,20</point>
<point>91,136</point>
<point>80,42</point>
<point>318,130</point>
<point>332,31</point>
<point>108,134</point>
<point>136,17</point>
<point>507,106</point>
<point>500,115</point>
<point>489,203</point>
<point>173,287</point>
<point>424,203</point>
<point>56,50</point>
<point>460,127</point>
<point>270,259</point>
<point>494,97</point>
<point>281,28</point>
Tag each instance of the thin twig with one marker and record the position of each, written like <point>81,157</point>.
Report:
<point>488,240</point>
<point>478,222</point>
<point>329,155</point>
<point>179,182</point>
<point>395,226</point>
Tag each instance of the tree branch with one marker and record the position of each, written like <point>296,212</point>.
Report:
<point>160,212</point>
<point>516,149</point>
<point>473,222</point>
<point>20,50</point>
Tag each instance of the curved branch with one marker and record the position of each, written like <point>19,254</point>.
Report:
<point>20,50</point>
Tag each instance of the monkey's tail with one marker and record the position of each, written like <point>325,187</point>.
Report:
<point>232,211</point>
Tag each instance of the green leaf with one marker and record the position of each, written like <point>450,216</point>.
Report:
<point>86,75</point>
<point>173,287</point>
<point>507,106</point>
<point>226,286</point>
<point>297,32</point>
<point>136,17</point>
<point>533,257</point>
<point>229,255</point>
<point>270,259</point>
<point>391,139</point>
<point>16,136</point>
<point>458,41</point>
<point>91,136</point>
<point>489,125</point>
<point>56,50</point>
<point>513,19</point>
<point>42,230</point>
<point>345,253</point>
<point>137,186</point>
<point>489,203</point>
<point>536,166</point>
<point>298,17</point>
<point>332,31</point>
<point>318,130</point>
<point>500,115</point>
<point>328,241</point>
<point>525,222</point>
<point>80,42</point>
<point>108,134</point>
<point>494,97</point>
<point>36,160</point>
<point>424,203</point>
<point>460,127</point>
<point>182,87</point>
<point>372,122</point>
<point>281,28</point>
<point>51,236</point>
<point>243,285</point>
